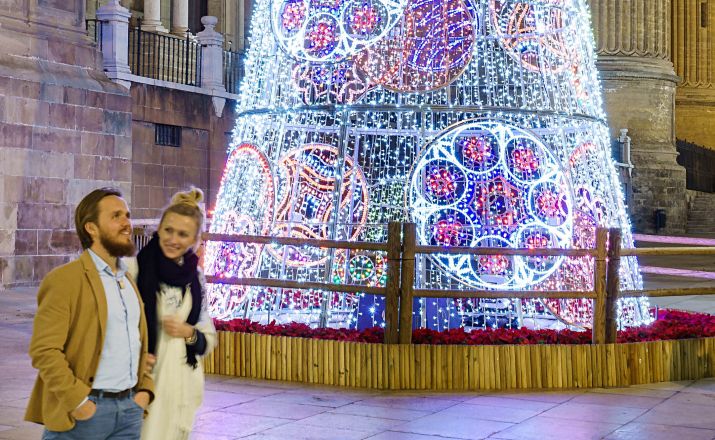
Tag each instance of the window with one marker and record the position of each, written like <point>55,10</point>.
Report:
<point>169,135</point>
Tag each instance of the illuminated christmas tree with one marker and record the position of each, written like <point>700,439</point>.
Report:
<point>479,120</point>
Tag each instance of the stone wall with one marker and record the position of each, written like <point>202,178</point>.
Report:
<point>64,130</point>
<point>160,171</point>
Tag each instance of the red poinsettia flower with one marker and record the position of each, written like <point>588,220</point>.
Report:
<point>670,324</point>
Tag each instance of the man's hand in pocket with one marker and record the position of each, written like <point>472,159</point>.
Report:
<point>142,399</point>
<point>84,411</point>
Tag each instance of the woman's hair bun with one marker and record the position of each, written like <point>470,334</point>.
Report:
<point>193,196</point>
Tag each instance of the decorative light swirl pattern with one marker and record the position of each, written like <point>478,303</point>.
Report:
<point>332,30</point>
<point>430,47</point>
<point>532,33</point>
<point>338,83</point>
<point>491,184</point>
<point>251,215</point>
<point>308,178</point>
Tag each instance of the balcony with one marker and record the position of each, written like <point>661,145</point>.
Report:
<point>198,64</point>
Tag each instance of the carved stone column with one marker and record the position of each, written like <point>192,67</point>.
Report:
<point>179,17</point>
<point>152,16</point>
<point>633,39</point>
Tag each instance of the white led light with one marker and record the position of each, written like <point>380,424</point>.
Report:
<point>481,121</point>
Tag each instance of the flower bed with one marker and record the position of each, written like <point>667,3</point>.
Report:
<point>671,324</point>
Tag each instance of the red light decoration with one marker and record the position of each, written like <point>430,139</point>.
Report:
<point>537,241</point>
<point>321,37</point>
<point>525,160</point>
<point>476,149</point>
<point>364,19</point>
<point>493,264</point>
<point>306,206</point>
<point>441,183</point>
<point>548,203</point>
<point>500,204</point>
<point>293,16</point>
<point>448,232</point>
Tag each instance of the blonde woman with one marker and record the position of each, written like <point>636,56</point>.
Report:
<point>179,328</point>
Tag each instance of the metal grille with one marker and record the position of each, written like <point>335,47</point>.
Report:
<point>233,70</point>
<point>94,31</point>
<point>169,135</point>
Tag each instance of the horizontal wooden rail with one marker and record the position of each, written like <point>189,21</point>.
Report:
<point>290,241</point>
<point>496,294</point>
<point>666,251</point>
<point>282,284</point>
<point>694,241</point>
<point>658,293</point>
<point>523,252</point>
<point>402,248</point>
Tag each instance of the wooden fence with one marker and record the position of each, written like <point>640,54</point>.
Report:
<point>406,366</point>
<point>391,291</point>
<point>402,248</point>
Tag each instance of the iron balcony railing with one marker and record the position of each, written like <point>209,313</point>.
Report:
<point>165,57</point>
<point>171,58</point>
<point>233,70</point>
<point>94,30</point>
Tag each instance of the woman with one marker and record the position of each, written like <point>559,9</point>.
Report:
<point>180,330</point>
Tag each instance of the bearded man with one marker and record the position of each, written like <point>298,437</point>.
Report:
<point>89,340</point>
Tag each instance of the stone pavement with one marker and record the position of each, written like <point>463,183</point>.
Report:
<point>240,408</point>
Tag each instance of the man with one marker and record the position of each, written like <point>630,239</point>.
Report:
<point>89,340</point>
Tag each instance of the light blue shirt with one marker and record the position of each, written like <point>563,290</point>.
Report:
<point>117,369</point>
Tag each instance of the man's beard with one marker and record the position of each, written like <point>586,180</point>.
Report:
<point>115,248</point>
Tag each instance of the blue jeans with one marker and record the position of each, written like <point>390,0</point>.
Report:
<point>114,419</point>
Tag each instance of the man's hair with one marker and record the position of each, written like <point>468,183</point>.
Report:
<point>88,211</point>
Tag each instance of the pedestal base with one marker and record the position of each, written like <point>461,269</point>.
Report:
<point>658,185</point>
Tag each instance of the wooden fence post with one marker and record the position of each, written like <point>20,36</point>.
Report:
<point>613,282</point>
<point>394,247</point>
<point>409,240</point>
<point>599,285</point>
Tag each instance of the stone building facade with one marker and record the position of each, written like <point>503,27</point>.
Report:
<point>66,128</point>
<point>158,171</point>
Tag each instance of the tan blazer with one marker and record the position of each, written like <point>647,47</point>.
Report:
<point>67,340</point>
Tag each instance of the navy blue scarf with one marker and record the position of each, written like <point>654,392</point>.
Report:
<point>155,268</point>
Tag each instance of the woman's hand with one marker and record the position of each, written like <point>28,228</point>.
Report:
<point>84,411</point>
<point>149,363</point>
<point>177,328</point>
